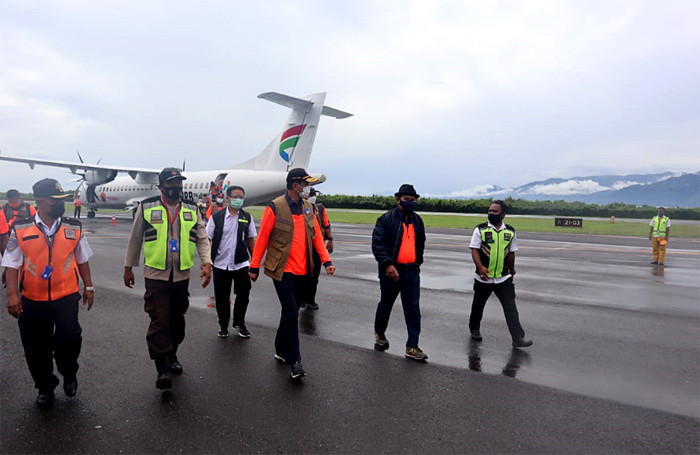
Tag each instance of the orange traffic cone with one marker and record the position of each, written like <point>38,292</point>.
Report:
<point>114,219</point>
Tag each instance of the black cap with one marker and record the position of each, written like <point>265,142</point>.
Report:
<point>300,175</point>
<point>170,173</point>
<point>407,190</point>
<point>49,188</point>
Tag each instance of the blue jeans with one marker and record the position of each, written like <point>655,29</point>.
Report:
<point>408,286</point>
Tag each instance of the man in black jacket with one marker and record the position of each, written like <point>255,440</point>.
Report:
<point>398,242</point>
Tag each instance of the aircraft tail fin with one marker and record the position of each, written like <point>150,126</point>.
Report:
<point>293,145</point>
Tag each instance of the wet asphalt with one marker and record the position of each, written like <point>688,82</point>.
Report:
<point>615,367</point>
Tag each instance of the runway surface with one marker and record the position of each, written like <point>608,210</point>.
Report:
<point>616,360</point>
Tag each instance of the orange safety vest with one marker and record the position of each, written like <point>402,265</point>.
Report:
<point>39,251</point>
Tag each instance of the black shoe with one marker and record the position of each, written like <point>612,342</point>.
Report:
<point>380,342</point>
<point>312,306</point>
<point>653,262</point>
<point>223,333</point>
<point>476,335</point>
<point>279,358</point>
<point>164,381</point>
<point>661,263</point>
<point>175,366</point>
<point>45,398</point>
<point>70,386</point>
<point>522,343</point>
<point>243,331</point>
<point>297,370</point>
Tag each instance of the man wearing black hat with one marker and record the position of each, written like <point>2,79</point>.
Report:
<point>170,230</point>
<point>289,232</point>
<point>44,257</point>
<point>398,242</point>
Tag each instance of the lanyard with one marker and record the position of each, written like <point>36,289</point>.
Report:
<point>171,220</point>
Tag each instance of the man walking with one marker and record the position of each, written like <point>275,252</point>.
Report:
<point>44,257</point>
<point>289,232</point>
<point>659,233</point>
<point>232,232</point>
<point>309,301</point>
<point>170,230</point>
<point>398,242</point>
<point>493,246</point>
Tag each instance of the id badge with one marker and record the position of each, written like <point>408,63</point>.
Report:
<point>173,245</point>
<point>47,272</point>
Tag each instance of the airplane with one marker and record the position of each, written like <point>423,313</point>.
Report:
<point>263,176</point>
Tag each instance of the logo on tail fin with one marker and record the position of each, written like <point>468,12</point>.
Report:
<point>289,141</point>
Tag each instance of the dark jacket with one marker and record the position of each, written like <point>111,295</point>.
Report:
<point>387,235</point>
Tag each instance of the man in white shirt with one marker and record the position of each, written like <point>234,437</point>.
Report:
<point>232,232</point>
<point>493,246</point>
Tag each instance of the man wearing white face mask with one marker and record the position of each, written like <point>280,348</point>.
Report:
<point>217,206</point>
<point>232,233</point>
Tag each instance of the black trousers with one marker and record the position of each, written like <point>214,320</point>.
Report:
<point>290,290</point>
<point>409,288</point>
<point>76,212</point>
<point>166,302</point>
<point>50,330</point>
<point>506,295</point>
<point>223,279</point>
<point>312,281</point>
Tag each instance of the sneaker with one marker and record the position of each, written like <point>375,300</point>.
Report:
<point>243,332</point>
<point>380,342</point>
<point>297,370</point>
<point>522,343</point>
<point>279,358</point>
<point>223,333</point>
<point>416,353</point>
<point>476,335</point>
<point>312,306</point>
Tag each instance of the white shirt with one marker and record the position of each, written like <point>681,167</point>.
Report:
<point>229,237</point>
<point>476,244</point>
<point>13,255</point>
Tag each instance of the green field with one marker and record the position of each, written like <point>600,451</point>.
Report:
<point>545,224</point>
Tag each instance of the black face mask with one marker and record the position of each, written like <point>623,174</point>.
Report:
<point>494,219</point>
<point>408,206</point>
<point>172,192</point>
<point>57,210</point>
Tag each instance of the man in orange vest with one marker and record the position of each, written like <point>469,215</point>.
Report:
<point>77,203</point>
<point>43,259</point>
<point>16,208</point>
<point>216,207</point>
<point>289,232</point>
<point>4,234</point>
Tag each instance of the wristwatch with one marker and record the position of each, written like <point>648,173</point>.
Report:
<point>90,288</point>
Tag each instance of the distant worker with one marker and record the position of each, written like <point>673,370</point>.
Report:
<point>16,209</point>
<point>232,232</point>
<point>170,230</point>
<point>217,206</point>
<point>289,232</point>
<point>398,242</point>
<point>309,300</point>
<point>659,233</point>
<point>493,246</point>
<point>44,258</point>
<point>4,236</point>
<point>77,204</point>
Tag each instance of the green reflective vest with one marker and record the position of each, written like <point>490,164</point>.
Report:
<point>659,227</point>
<point>155,236</point>
<point>495,246</point>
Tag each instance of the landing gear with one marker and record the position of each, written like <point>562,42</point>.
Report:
<point>91,214</point>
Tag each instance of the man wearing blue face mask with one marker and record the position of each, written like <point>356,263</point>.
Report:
<point>232,233</point>
<point>398,242</point>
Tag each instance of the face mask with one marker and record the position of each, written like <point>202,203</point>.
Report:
<point>172,192</point>
<point>661,214</point>
<point>305,191</point>
<point>494,219</point>
<point>57,210</point>
<point>408,206</point>
<point>312,199</point>
<point>219,200</point>
<point>236,203</point>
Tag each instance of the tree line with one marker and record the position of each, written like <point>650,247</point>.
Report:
<point>515,207</point>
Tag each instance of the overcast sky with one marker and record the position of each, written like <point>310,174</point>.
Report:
<point>447,95</point>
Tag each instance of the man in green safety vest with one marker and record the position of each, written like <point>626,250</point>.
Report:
<point>170,230</point>
<point>493,246</point>
<point>659,231</point>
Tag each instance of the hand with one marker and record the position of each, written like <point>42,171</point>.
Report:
<point>14,305</point>
<point>329,246</point>
<point>330,270</point>
<point>483,272</point>
<point>392,273</point>
<point>253,276</point>
<point>88,298</point>
<point>206,274</point>
<point>128,277</point>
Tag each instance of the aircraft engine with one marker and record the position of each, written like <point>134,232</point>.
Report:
<point>99,177</point>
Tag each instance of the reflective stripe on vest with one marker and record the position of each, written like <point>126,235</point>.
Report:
<point>39,252</point>
<point>495,246</point>
<point>659,227</point>
<point>155,236</point>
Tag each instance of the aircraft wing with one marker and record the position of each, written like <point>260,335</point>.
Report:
<point>141,175</point>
